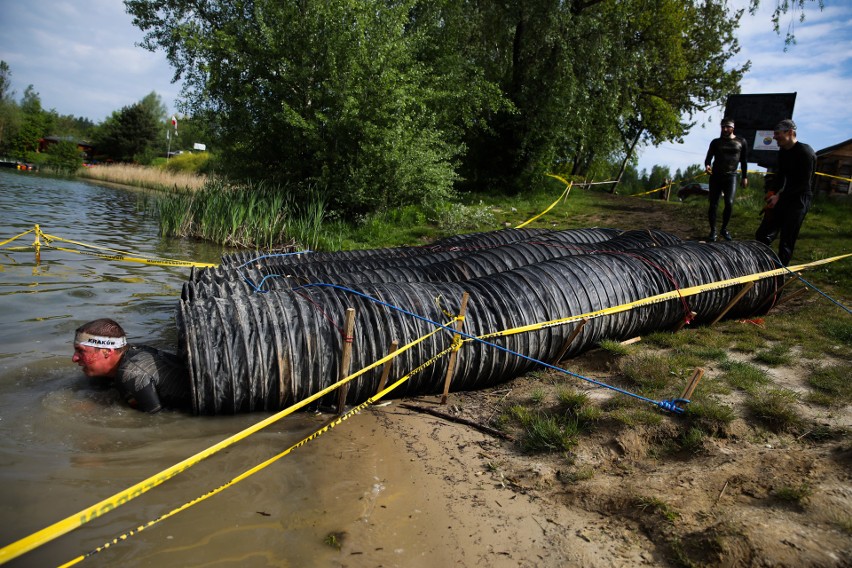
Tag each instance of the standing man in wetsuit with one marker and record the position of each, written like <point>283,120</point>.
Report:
<point>147,378</point>
<point>788,191</point>
<point>723,156</point>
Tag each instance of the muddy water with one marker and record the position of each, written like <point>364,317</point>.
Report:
<point>67,443</point>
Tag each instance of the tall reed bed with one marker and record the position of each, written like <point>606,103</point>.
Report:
<point>147,177</point>
<point>256,215</point>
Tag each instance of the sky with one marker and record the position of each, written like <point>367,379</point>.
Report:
<point>83,60</point>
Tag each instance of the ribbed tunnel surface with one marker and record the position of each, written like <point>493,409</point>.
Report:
<point>264,351</point>
<point>456,265</point>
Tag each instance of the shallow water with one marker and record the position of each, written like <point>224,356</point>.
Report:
<point>67,442</point>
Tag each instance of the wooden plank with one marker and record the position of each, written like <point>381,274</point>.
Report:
<point>387,367</point>
<point>569,341</point>
<point>346,360</point>
<point>451,367</point>
<point>733,302</point>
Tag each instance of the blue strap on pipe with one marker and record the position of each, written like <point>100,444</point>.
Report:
<point>276,255</point>
<point>664,404</point>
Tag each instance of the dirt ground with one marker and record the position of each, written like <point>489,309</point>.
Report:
<point>611,502</point>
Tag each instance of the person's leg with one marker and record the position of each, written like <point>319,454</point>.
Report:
<point>715,192</point>
<point>768,229</point>
<point>792,223</point>
<point>729,191</point>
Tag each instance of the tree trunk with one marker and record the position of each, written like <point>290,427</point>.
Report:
<point>627,156</point>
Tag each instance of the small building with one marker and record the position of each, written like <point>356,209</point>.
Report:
<point>86,150</point>
<point>834,161</point>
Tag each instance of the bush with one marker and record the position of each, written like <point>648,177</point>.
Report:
<point>188,162</point>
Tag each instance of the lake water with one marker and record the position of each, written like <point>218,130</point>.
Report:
<point>67,443</point>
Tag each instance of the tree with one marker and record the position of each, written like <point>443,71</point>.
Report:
<point>316,94</point>
<point>34,125</point>
<point>64,156</point>
<point>9,111</point>
<point>130,134</point>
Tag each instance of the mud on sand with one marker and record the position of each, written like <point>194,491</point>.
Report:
<point>614,500</point>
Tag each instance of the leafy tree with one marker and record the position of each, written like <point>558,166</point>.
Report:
<point>314,94</point>
<point>34,125</point>
<point>383,103</point>
<point>64,156</point>
<point>9,111</point>
<point>130,134</point>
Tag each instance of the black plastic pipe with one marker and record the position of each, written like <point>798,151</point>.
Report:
<point>250,352</point>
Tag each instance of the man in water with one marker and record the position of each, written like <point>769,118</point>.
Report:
<point>725,153</point>
<point>788,191</point>
<point>147,378</point>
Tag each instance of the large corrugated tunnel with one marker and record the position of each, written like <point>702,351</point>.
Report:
<point>265,351</point>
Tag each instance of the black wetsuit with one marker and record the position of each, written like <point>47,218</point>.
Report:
<point>725,154</point>
<point>792,182</point>
<point>150,379</point>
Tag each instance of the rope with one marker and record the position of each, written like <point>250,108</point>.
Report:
<point>479,339</point>
<point>103,507</point>
<point>263,465</point>
<point>552,205</point>
<point>119,255</point>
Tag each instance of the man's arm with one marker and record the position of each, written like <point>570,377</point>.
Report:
<point>711,151</point>
<point>744,162</point>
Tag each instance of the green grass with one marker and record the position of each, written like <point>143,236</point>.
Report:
<point>797,494</point>
<point>776,409</point>
<point>656,506</point>
<point>542,431</point>
<point>774,356</point>
<point>832,384</point>
<point>744,376</point>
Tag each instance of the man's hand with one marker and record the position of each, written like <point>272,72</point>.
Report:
<point>771,199</point>
<point>708,169</point>
<point>744,182</point>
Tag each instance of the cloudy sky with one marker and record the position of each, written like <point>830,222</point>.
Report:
<point>82,58</point>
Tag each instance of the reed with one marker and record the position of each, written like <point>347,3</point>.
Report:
<point>145,177</point>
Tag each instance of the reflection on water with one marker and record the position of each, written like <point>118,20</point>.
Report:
<point>67,442</point>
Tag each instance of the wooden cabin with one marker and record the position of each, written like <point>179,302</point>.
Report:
<point>86,150</point>
<point>834,161</point>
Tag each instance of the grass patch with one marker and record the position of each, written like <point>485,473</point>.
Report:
<point>711,415</point>
<point>775,356</point>
<point>776,408</point>
<point>797,494</point>
<point>651,372</point>
<point>832,383</point>
<point>656,506</point>
<point>744,376</point>
<point>543,432</point>
<point>634,416</point>
<point>615,347</point>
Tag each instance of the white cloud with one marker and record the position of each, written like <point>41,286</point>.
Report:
<point>81,58</point>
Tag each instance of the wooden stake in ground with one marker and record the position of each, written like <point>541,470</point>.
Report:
<point>693,383</point>
<point>387,367</point>
<point>733,302</point>
<point>346,360</point>
<point>451,367</point>
<point>569,341</point>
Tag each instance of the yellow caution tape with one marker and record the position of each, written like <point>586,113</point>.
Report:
<point>103,507</point>
<point>18,236</point>
<point>674,294</point>
<point>248,473</point>
<point>552,205</point>
<point>833,177</point>
<point>116,255</point>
